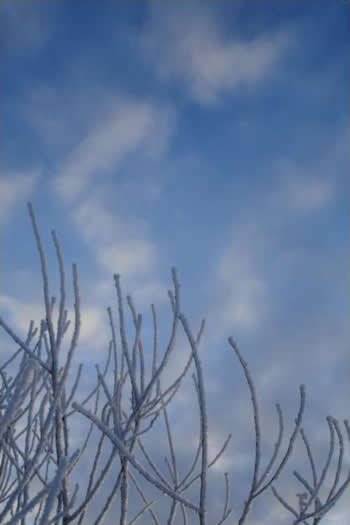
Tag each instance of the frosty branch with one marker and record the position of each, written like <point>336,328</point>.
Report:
<point>36,409</point>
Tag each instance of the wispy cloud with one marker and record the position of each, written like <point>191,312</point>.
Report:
<point>118,247</point>
<point>143,294</point>
<point>243,301</point>
<point>128,257</point>
<point>128,126</point>
<point>22,312</point>
<point>15,189</point>
<point>192,47</point>
<point>302,192</point>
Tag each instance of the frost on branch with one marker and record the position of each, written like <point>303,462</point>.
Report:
<point>38,410</point>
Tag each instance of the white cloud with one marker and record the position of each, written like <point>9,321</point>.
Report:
<point>14,189</point>
<point>118,245</point>
<point>310,194</point>
<point>244,289</point>
<point>189,44</point>
<point>143,295</point>
<point>127,257</point>
<point>310,185</point>
<point>92,324</point>
<point>128,126</point>
<point>153,292</point>
<point>239,299</point>
<point>95,223</point>
<point>303,192</point>
<point>273,377</point>
<point>21,313</point>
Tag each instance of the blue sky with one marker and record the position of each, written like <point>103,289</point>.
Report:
<point>210,136</point>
